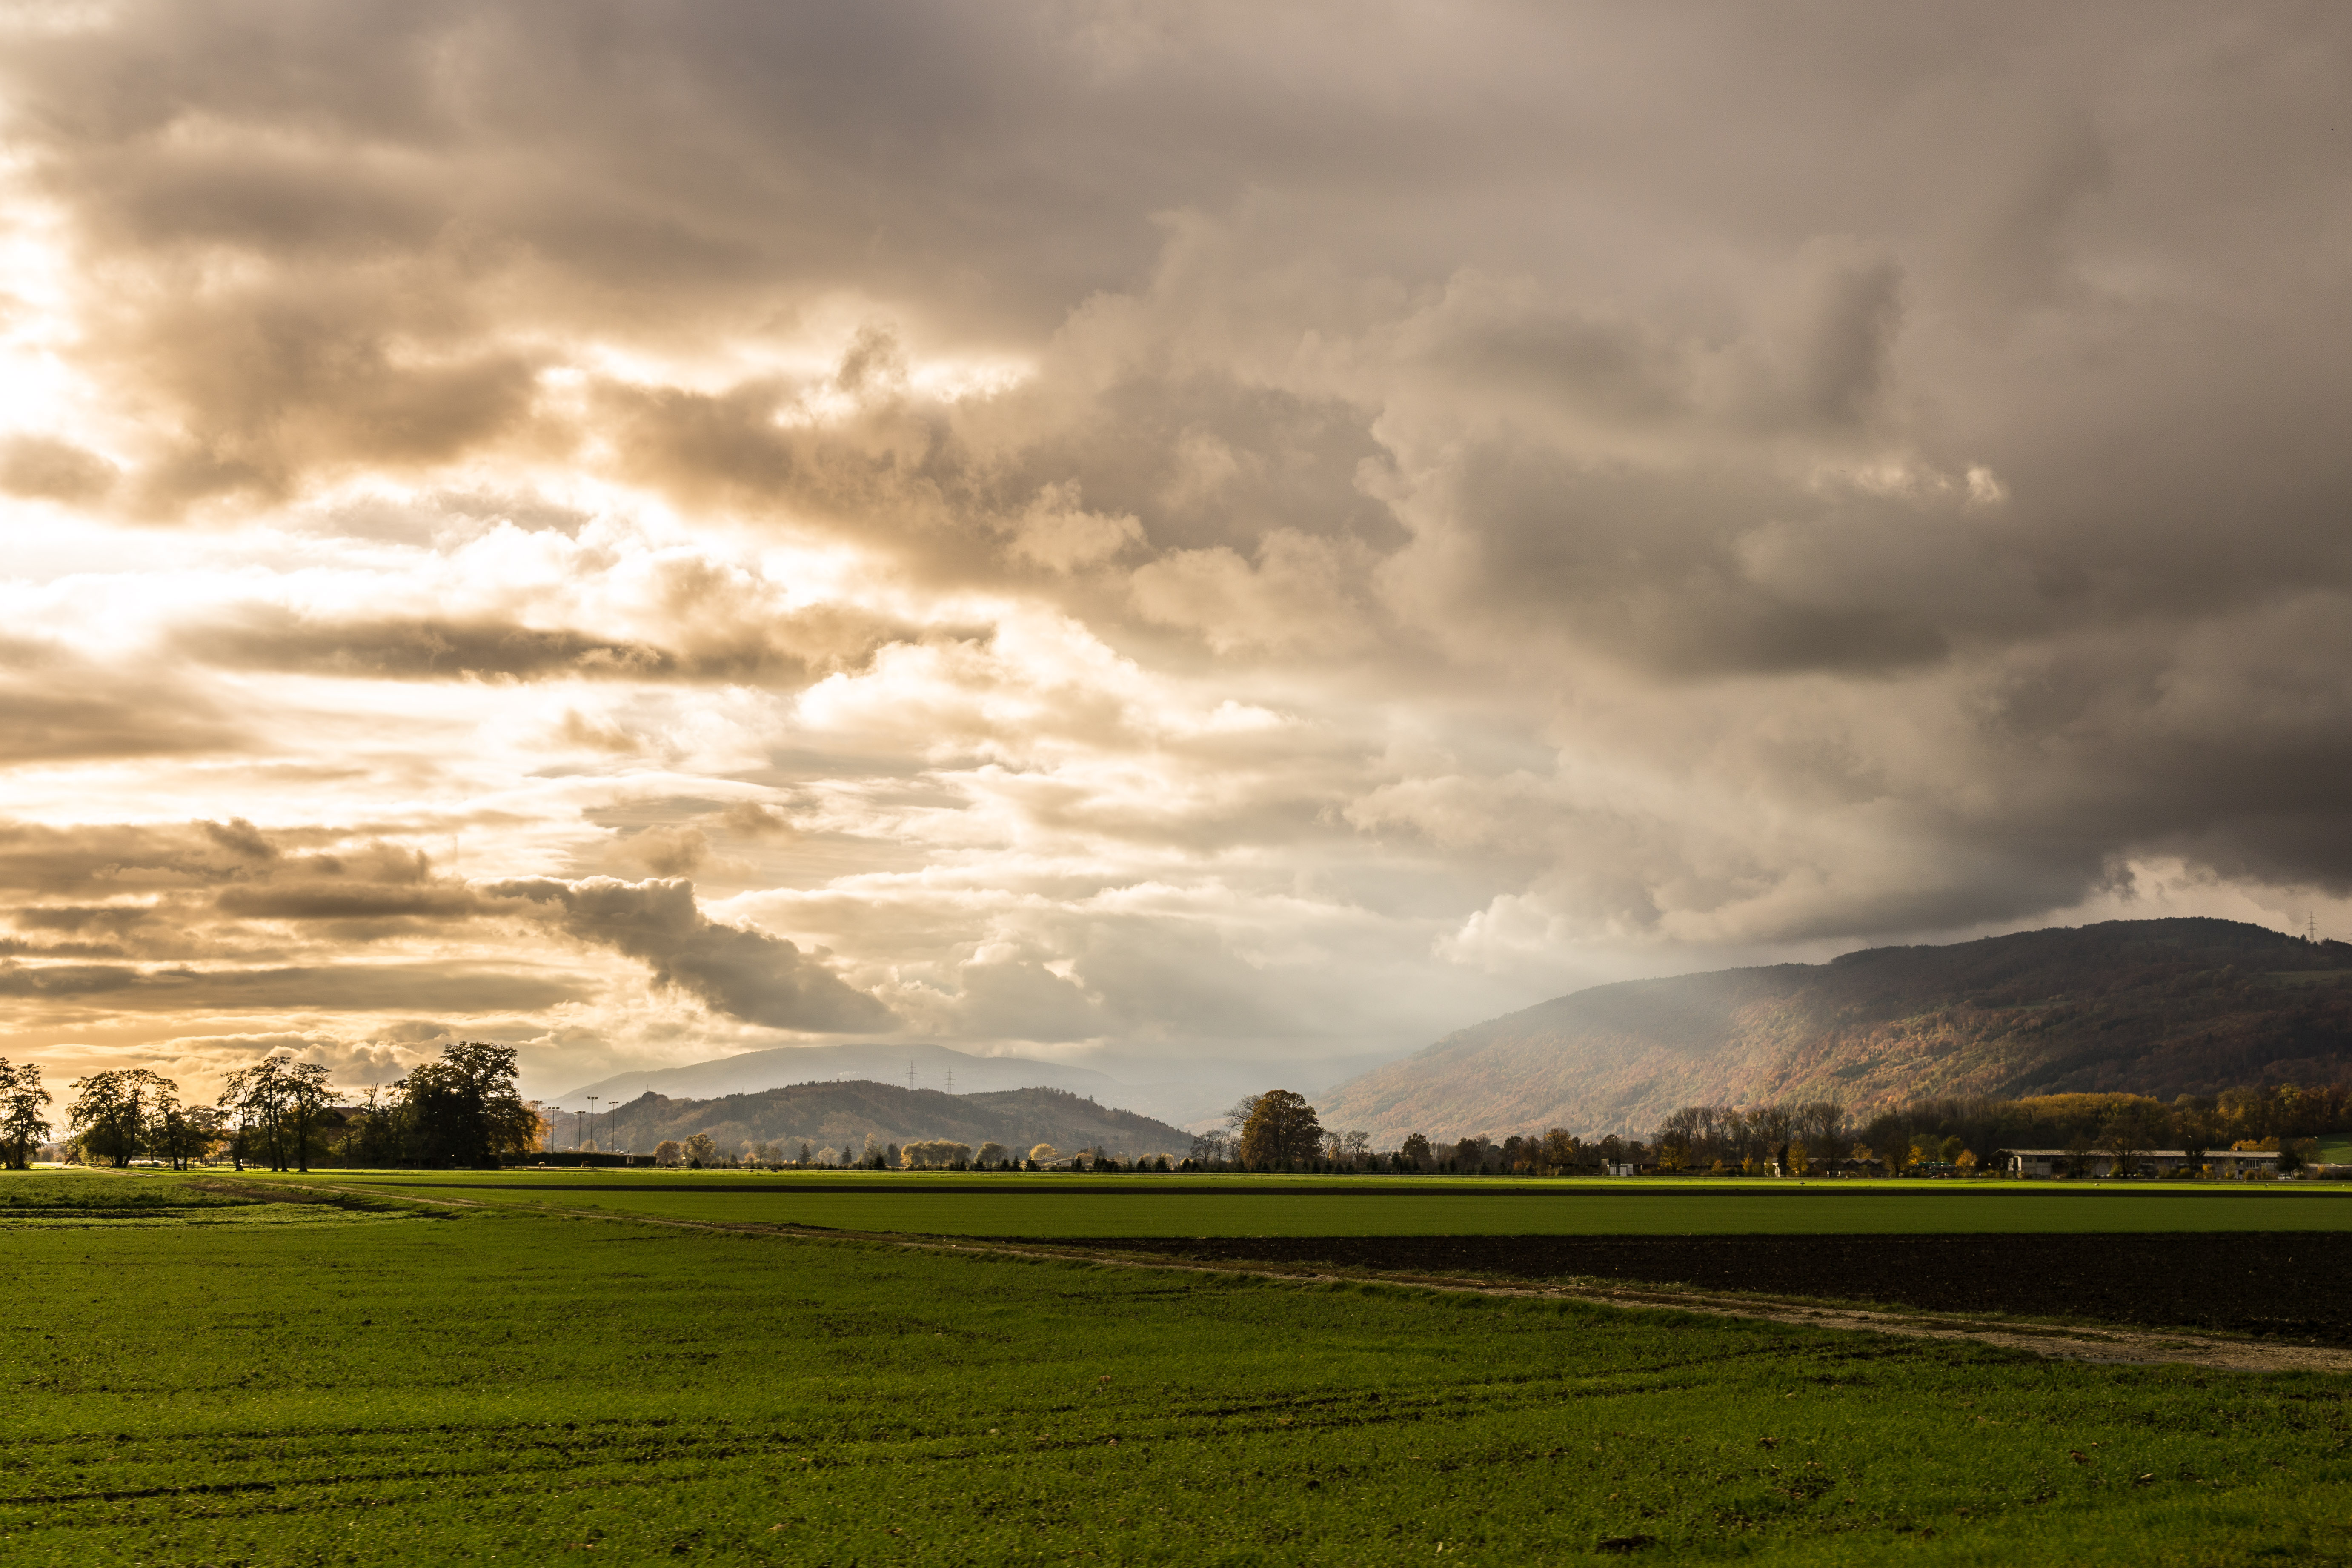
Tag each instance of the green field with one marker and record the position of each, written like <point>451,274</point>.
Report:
<point>1063,1205</point>
<point>382,1385</point>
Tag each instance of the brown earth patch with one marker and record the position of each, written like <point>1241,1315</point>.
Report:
<point>2291,1286</point>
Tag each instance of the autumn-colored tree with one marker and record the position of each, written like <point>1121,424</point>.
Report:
<point>1279,1131</point>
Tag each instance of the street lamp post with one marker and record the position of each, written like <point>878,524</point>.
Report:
<point>591,1114</point>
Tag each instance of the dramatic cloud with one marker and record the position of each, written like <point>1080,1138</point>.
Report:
<point>1221,535</point>
<point>745,973</point>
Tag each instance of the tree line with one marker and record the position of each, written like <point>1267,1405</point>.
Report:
<point>461,1110</point>
<point>1280,1130</point>
<point>701,1151</point>
<point>1969,1133</point>
<point>2283,1116</point>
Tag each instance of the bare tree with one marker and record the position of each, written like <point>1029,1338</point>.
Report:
<point>2123,1139</point>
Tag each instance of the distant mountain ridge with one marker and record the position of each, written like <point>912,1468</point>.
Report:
<point>1183,1089</point>
<point>751,1071</point>
<point>2160,1007</point>
<point>834,1115</point>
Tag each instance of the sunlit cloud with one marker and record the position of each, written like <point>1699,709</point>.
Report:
<point>1143,540</point>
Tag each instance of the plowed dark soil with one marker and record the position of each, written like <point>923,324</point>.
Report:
<point>2290,1285</point>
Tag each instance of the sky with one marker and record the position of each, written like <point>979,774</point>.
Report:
<point>1215,539</point>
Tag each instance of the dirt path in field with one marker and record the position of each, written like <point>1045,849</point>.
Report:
<point>2136,1347</point>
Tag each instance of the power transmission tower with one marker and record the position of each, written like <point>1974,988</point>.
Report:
<point>951,1080</point>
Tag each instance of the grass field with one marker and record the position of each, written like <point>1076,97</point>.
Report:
<point>1062,1206</point>
<point>376,1386</point>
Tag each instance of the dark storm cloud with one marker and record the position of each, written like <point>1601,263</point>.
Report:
<point>747,974</point>
<point>363,988</point>
<point>719,632</point>
<point>322,899</point>
<point>130,858</point>
<point>219,887</point>
<point>425,650</point>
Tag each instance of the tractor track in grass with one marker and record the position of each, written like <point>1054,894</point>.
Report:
<point>2106,1344</point>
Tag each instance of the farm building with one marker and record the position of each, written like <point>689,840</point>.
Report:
<point>2155,1162</point>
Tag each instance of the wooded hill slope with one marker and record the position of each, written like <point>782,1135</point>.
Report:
<point>2159,1007</point>
<point>830,1115</point>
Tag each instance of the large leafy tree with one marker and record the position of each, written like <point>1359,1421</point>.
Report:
<point>24,1118</point>
<point>463,1110</point>
<point>117,1113</point>
<point>1279,1131</point>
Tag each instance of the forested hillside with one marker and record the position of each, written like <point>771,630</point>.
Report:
<point>834,1115</point>
<point>2155,1008</point>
